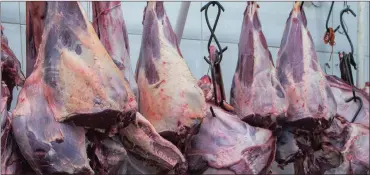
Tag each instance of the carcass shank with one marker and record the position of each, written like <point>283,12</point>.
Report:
<point>256,93</point>
<point>169,96</point>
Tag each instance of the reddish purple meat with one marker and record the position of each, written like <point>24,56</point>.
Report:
<point>256,93</point>
<point>169,96</point>
<point>76,83</point>
<point>311,101</point>
<point>10,66</point>
<point>343,91</point>
<point>35,16</point>
<point>110,27</point>
<point>353,142</point>
<point>225,144</point>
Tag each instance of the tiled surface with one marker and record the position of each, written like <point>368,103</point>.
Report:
<point>22,15</point>
<point>10,12</point>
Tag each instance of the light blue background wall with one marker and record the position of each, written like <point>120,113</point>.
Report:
<point>273,16</point>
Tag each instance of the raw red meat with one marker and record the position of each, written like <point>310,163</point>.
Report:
<point>256,93</point>
<point>225,144</point>
<point>77,83</point>
<point>352,140</point>
<point>12,161</point>
<point>11,72</point>
<point>343,91</point>
<point>35,16</point>
<point>110,27</point>
<point>149,151</point>
<point>169,96</point>
<point>311,101</point>
<point>107,154</point>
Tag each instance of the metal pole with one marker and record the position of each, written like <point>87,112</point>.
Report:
<point>181,20</point>
<point>360,79</point>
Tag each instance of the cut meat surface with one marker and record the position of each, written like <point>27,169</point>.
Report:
<point>256,93</point>
<point>353,141</point>
<point>110,26</point>
<point>79,80</point>
<point>151,152</point>
<point>311,101</point>
<point>76,83</point>
<point>107,155</point>
<point>169,96</point>
<point>12,161</point>
<point>343,91</point>
<point>224,142</point>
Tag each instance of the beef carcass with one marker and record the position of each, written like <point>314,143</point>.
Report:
<point>11,72</point>
<point>256,93</point>
<point>148,151</point>
<point>35,16</point>
<point>110,26</point>
<point>169,96</point>
<point>107,154</point>
<point>225,144</point>
<point>76,82</point>
<point>12,161</point>
<point>352,140</point>
<point>311,101</point>
<point>342,92</point>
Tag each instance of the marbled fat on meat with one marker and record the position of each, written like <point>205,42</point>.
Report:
<point>311,101</point>
<point>110,27</point>
<point>76,83</point>
<point>256,93</point>
<point>169,96</point>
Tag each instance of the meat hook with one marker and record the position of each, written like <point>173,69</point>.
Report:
<point>212,30</point>
<point>354,98</point>
<point>327,19</point>
<point>330,32</point>
<point>347,9</point>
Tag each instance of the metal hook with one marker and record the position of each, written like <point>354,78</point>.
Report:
<point>327,19</point>
<point>347,9</point>
<point>212,30</point>
<point>359,108</point>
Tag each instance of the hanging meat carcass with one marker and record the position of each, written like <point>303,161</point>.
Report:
<point>256,93</point>
<point>11,72</point>
<point>35,16</point>
<point>342,92</point>
<point>110,27</point>
<point>12,161</point>
<point>225,144</point>
<point>352,140</point>
<point>169,96</point>
<point>149,153</point>
<point>311,101</point>
<point>74,80</point>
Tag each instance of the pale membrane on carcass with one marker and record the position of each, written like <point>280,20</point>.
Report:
<point>311,101</point>
<point>255,88</point>
<point>169,96</point>
<point>89,85</point>
<point>342,92</point>
<point>74,79</point>
<point>355,151</point>
<point>111,29</point>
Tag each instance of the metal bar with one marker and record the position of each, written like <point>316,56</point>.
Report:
<point>181,20</point>
<point>360,79</point>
